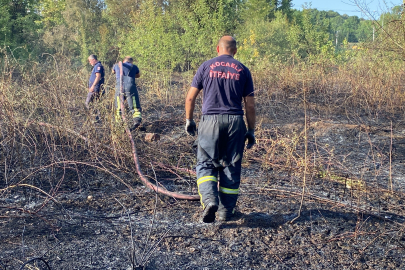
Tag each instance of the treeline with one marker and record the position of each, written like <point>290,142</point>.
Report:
<point>175,34</point>
<point>351,28</point>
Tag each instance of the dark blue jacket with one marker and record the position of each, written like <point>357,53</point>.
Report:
<point>98,68</point>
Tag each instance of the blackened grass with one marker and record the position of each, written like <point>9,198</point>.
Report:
<point>33,260</point>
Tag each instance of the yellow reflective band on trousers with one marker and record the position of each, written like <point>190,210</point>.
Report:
<point>118,110</point>
<point>229,190</point>
<point>203,180</point>
<point>137,113</point>
<point>134,103</point>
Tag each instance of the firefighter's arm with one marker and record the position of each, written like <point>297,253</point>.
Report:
<point>98,78</point>
<point>251,120</point>
<point>250,111</point>
<point>190,104</point>
<point>138,75</point>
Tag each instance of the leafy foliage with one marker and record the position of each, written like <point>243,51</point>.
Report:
<point>18,26</point>
<point>181,34</point>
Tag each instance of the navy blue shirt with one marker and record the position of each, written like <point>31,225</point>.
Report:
<point>225,82</point>
<point>98,68</point>
<point>128,69</point>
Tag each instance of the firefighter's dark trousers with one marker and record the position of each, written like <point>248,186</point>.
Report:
<point>219,159</point>
<point>131,96</point>
<point>91,97</point>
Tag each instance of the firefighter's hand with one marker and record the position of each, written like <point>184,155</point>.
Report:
<point>250,137</point>
<point>91,89</point>
<point>190,127</point>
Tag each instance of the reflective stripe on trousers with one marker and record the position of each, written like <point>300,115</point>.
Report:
<point>130,95</point>
<point>220,151</point>
<point>234,191</point>
<point>208,189</point>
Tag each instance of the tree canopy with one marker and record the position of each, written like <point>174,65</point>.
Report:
<point>177,34</point>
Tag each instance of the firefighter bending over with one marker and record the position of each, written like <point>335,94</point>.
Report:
<point>130,72</point>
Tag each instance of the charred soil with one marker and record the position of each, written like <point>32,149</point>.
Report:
<point>79,204</point>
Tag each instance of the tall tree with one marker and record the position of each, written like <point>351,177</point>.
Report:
<point>18,23</point>
<point>86,17</point>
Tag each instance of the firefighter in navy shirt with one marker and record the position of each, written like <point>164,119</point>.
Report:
<point>96,80</point>
<point>130,72</point>
<point>221,131</point>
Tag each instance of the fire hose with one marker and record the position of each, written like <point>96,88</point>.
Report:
<point>144,180</point>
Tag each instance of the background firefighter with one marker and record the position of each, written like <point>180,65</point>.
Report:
<point>130,72</point>
<point>96,79</point>
<point>221,131</point>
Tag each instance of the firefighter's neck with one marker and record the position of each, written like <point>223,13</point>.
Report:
<point>224,51</point>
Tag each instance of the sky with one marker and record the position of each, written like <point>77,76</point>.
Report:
<point>348,6</point>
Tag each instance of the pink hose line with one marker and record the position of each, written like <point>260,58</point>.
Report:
<point>144,180</point>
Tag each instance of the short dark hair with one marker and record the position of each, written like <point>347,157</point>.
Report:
<point>231,44</point>
<point>228,43</point>
<point>93,56</point>
<point>128,59</point>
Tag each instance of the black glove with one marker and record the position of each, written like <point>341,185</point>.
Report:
<point>250,137</point>
<point>190,127</point>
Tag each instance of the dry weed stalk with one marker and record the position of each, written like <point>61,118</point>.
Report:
<point>68,146</point>
<point>304,179</point>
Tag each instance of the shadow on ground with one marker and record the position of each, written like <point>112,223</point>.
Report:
<point>265,221</point>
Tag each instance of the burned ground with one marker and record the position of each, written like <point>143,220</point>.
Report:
<point>79,204</point>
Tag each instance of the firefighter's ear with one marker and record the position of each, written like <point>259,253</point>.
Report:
<point>217,49</point>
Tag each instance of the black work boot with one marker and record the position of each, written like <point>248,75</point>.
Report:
<point>225,215</point>
<point>136,123</point>
<point>208,216</point>
<point>97,119</point>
